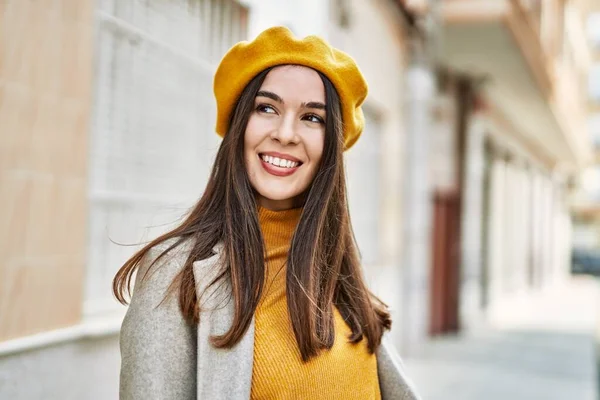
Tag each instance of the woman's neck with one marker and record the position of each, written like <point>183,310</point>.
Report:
<point>280,205</point>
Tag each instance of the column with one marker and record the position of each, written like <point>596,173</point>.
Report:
<point>496,239</point>
<point>417,210</point>
<point>472,215</point>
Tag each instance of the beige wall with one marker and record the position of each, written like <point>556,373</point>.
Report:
<point>45,82</point>
<point>376,39</point>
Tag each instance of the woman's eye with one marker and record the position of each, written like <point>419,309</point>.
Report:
<point>265,109</point>
<point>314,118</point>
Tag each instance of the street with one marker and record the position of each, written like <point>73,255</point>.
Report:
<point>539,348</point>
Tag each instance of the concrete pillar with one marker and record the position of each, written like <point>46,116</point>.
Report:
<point>562,240</point>
<point>515,197</point>
<point>524,229</point>
<point>496,252</point>
<point>417,209</point>
<point>537,210</point>
<point>472,219</point>
<point>518,196</point>
<point>508,244</point>
<point>548,231</point>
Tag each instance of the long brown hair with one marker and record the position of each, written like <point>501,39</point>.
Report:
<point>323,262</point>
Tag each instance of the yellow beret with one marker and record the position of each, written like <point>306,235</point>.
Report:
<point>278,46</point>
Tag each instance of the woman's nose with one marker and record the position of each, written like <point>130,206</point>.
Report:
<point>286,131</point>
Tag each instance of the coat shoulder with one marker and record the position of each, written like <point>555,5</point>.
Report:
<point>173,260</point>
<point>393,381</point>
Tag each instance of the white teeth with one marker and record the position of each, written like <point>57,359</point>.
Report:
<point>280,162</point>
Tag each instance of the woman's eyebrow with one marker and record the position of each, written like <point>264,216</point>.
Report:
<point>270,95</point>
<point>313,104</point>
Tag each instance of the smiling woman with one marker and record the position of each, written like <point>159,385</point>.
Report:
<point>259,292</point>
<point>285,136</point>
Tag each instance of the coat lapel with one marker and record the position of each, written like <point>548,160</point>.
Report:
<point>222,373</point>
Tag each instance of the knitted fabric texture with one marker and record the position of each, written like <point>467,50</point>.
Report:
<point>346,371</point>
<point>278,46</point>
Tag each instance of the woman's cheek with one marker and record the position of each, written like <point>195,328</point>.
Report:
<point>315,151</point>
<point>262,125</point>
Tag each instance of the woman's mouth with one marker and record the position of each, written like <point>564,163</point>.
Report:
<point>279,166</point>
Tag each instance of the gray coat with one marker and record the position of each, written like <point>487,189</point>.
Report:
<point>164,358</point>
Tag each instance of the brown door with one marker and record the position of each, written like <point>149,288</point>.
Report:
<point>445,263</point>
<point>449,167</point>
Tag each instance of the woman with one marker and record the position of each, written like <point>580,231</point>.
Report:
<point>258,293</point>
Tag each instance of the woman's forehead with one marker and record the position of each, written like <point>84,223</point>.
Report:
<point>295,81</point>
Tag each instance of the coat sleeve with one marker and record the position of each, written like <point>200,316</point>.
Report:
<point>393,382</point>
<point>158,347</point>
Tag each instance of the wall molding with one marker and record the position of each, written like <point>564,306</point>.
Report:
<point>89,328</point>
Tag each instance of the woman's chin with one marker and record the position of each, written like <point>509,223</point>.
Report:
<point>278,199</point>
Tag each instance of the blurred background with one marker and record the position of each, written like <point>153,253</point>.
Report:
<point>474,190</point>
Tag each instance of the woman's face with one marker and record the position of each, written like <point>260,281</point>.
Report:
<point>284,138</point>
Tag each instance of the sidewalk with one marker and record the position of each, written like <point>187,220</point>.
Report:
<point>540,347</point>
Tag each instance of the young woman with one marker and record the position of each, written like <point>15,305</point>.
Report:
<point>259,292</point>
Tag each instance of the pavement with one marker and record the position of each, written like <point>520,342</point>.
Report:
<point>539,346</point>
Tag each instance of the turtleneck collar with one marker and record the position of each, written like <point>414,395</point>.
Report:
<point>278,226</point>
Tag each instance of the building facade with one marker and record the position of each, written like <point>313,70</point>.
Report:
<point>509,136</point>
<point>586,199</point>
<point>107,140</point>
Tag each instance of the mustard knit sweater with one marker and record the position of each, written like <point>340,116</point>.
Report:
<point>346,371</point>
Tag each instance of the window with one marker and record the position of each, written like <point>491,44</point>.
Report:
<point>594,82</point>
<point>593,29</point>
<point>152,140</point>
<point>594,129</point>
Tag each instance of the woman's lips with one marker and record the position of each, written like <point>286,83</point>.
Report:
<point>277,171</point>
